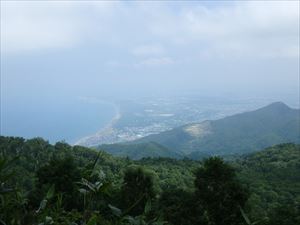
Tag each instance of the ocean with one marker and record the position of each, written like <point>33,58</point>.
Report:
<point>56,119</point>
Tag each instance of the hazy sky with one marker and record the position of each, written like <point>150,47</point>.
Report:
<point>72,49</point>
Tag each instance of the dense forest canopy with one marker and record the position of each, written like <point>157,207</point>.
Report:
<point>62,184</point>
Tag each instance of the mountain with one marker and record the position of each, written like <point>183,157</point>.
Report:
<point>238,134</point>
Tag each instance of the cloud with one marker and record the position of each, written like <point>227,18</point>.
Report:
<point>156,62</point>
<point>267,29</point>
<point>39,25</point>
<point>237,29</point>
<point>148,50</point>
<point>25,28</point>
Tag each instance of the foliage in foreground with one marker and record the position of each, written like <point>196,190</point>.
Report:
<point>45,184</point>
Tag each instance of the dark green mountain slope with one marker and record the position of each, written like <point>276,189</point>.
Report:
<point>237,134</point>
<point>140,150</point>
<point>273,176</point>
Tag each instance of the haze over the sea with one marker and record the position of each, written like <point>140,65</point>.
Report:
<point>56,120</point>
<point>56,54</point>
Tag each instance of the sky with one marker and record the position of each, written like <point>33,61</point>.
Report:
<point>56,51</point>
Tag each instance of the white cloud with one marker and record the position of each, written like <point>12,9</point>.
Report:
<point>156,62</point>
<point>148,50</point>
<point>38,25</point>
<point>240,29</point>
<point>243,29</point>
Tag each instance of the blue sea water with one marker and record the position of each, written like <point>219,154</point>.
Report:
<point>56,119</point>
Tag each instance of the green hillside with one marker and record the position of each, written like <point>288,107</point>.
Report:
<point>237,134</point>
<point>273,176</point>
<point>140,150</point>
<point>269,179</point>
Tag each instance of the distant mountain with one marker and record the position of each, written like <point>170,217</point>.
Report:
<point>238,134</point>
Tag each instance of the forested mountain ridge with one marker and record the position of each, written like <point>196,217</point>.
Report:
<point>140,150</point>
<point>271,175</point>
<point>238,134</point>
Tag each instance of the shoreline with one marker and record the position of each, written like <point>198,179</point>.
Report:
<point>81,141</point>
<point>115,119</point>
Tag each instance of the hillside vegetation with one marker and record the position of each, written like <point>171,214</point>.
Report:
<point>238,134</point>
<point>140,150</point>
<point>60,184</point>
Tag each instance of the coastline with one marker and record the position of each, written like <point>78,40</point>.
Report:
<point>115,119</point>
<point>106,129</point>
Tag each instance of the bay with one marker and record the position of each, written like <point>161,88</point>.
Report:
<point>56,119</point>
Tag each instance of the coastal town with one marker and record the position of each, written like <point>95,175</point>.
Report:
<point>142,117</point>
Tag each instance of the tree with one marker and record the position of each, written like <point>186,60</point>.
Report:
<point>288,214</point>
<point>63,174</point>
<point>137,189</point>
<point>179,207</point>
<point>218,190</point>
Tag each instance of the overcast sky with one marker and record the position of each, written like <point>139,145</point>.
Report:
<point>67,49</point>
